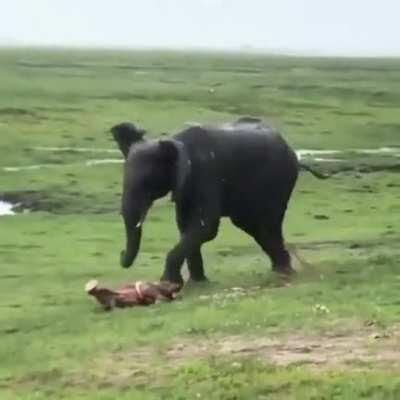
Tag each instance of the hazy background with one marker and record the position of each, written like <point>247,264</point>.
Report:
<point>340,27</point>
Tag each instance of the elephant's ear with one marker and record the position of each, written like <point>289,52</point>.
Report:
<point>126,134</point>
<point>178,157</point>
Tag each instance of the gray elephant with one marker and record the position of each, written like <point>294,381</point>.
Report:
<point>245,171</point>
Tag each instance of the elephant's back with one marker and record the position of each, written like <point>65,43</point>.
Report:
<point>243,166</point>
<point>231,137</point>
<point>236,146</point>
<point>240,155</point>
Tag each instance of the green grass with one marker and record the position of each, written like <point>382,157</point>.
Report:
<point>57,343</point>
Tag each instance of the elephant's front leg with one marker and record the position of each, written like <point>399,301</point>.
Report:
<point>189,248</point>
<point>189,244</point>
<point>173,264</point>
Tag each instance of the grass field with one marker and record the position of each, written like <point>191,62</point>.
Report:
<point>331,332</point>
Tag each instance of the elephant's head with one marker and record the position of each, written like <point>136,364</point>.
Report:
<point>152,169</point>
<point>125,134</point>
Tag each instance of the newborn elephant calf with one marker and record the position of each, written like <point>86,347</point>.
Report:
<point>244,171</point>
<point>133,294</point>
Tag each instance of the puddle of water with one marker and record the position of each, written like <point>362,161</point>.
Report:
<point>382,150</point>
<point>316,155</point>
<point>389,151</point>
<point>28,167</point>
<point>318,159</point>
<point>6,208</point>
<point>76,149</point>
<point>304,152</point>
<point>394,151</point>
<point>192,123</point>
<point>90,163</point>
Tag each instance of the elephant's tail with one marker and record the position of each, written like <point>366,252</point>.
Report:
<point>315,173</point>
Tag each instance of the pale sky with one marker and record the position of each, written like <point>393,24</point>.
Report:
<point>326,27</point>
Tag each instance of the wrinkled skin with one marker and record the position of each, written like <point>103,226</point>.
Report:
<point>243,171</point>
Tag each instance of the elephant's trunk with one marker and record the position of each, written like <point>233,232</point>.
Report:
<point>133,214</point>
<point>133,237</point>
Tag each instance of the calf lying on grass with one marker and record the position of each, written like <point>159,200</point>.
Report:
<point>133,294</point>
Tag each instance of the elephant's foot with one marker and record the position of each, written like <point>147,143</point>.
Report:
<point>172,277</point>
<point>196,281</point>
<point>123,260</point>
<point>285,270</point>
<point>198,278</point>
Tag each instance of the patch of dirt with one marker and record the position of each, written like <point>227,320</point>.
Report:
<point>150,366</point>
<point>366,345</point>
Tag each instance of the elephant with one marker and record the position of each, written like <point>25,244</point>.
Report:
<point>245,171</point>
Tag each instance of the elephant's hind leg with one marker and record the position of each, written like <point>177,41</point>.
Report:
<point>272,242</point>
<point>195,266</point>
<point>267,232</point>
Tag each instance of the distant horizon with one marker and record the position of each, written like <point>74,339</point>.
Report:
<point>245,50</point>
